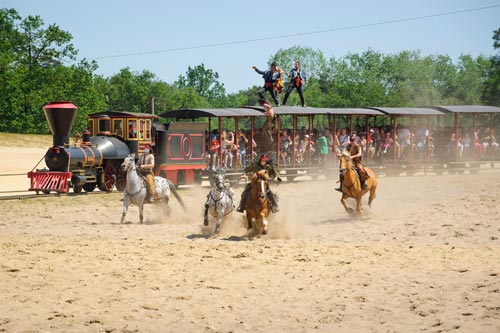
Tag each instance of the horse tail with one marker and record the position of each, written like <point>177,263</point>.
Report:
<point>173,189</point>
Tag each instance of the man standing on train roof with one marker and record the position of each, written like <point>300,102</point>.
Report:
<point>145,165</point>
<point>261,164</point>
<point>356,153</point>
<point>270,78</point>
<point>297,79</point>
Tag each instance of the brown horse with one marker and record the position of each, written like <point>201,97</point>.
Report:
<point>257,205</point>
<point>351,185</point>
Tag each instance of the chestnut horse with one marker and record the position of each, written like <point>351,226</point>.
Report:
<point>351,185</point>
<point>257,205</point>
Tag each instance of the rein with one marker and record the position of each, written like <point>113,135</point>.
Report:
<point>134,168</point>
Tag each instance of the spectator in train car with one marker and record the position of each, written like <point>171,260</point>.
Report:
<point>387,142</point>
<point>285,144</point>
<point>343,138</point>
<point>213,148</point>
<point>270,78</point>
<point>145,165</point>
<point>363,142</point>
<point>454,145</point>
<point>355,151</point>
<point>404,140</point>
<point>323,149</point>
<point>466,142</point>
<point>478,147</point>
<point>373,142</point>
<point>242,147</point>
<point>489,142</point>
<point>297,79</point>
<point>301,147</point>
<point>132,133</point>
<point>227,141</point>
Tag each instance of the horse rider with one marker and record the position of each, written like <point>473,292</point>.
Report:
<point>145,165</point>
<point>262,164</point>
<point>356,152</point>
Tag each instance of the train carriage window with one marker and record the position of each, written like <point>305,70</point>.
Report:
<point>118,127</point>
<point>91,126</point>
<point>132,129</point>
<point>141,129</point>
<point>148,129</point>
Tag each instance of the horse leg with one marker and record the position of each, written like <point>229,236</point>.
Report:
<point>141,212</point>
<point>359,210</point>
<point>205,216</point>
<point>347,209</point>
<point>218,222</point>
<point>125,208</point>
<point>264,225</point>
<point>372,195</point>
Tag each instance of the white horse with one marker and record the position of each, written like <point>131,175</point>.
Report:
<point>135,191</point>
<point>220,200</point>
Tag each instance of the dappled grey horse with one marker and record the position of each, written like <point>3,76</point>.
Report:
<point>220,200</point>
<point>135,191</point>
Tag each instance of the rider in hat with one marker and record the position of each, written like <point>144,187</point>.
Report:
<point>356,153</point>
<point>262,164</point>
<point>145,165</point>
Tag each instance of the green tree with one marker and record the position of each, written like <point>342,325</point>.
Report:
<point>491,92</point>
<point>204,81</point>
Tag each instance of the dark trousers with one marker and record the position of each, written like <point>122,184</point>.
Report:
<point>289,90</point>
<point>271,91</point>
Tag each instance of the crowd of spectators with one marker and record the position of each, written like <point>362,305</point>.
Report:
<point>379,143</point>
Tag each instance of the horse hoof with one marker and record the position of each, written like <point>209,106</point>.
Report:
<point>205,223</point>
<point>264,232</point>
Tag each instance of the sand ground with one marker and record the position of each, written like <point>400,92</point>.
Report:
<point>425,257</point>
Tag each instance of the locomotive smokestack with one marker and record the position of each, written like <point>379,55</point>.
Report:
<point>60,116</point>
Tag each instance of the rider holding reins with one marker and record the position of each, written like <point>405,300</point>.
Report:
<point>356,153</point>
<point>262,164</point>
<point>145,165</point>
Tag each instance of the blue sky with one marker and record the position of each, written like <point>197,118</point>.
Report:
<point>111,28</point>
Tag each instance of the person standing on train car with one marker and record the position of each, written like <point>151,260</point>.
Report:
<point>271,77</point>
<point>297,79</point>
<point>145,165</point>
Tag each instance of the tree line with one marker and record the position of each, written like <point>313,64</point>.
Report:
<point>38,65</point>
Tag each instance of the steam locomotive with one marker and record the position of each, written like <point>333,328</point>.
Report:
<point>108,139</point>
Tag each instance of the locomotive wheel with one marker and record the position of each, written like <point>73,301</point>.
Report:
<point>109,178</point>
<point>121,179</point>
<point>89,187</point>
<point>77,189</point>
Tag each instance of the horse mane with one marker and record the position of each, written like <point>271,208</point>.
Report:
<point>260,174</point>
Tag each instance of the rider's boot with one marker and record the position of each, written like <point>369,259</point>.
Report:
<point>241,207</point>
<point>274,203</point>
<point>363,184</point>
<point>243,201</point>
<point>341,180</point>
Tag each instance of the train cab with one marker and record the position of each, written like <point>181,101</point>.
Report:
<point>136,129</point>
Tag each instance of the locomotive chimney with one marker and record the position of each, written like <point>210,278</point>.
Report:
<point>60,116</point>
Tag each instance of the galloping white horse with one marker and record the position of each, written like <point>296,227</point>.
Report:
<point>135,190</point>
<point>220,200</point>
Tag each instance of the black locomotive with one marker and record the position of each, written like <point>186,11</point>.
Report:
<point>95,162</point>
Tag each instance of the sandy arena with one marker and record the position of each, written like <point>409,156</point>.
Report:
<point>425,257</point>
